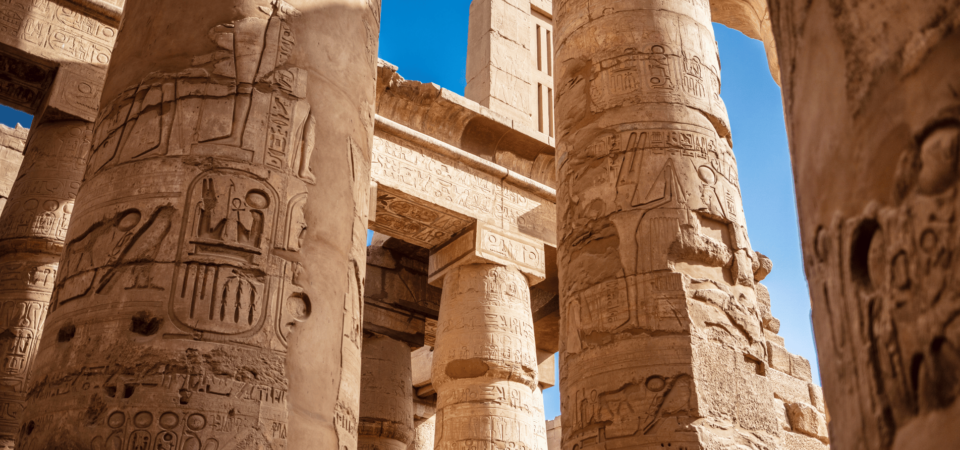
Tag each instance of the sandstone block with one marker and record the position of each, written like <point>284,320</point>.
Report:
<point>780,358</point>
<point>804,419</point>
<point>380,257</point>
<point>800,368</point>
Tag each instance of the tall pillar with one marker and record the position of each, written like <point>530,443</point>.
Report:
<point>875,146</point>
<point>386,395</point>
<point>424,434</point>
<point>32,231</point>
<point>210,292</point>
<point>485,361</point>
<point>662,345</point>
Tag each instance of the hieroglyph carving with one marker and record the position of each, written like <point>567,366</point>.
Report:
<point>41,201</point>
<point>661,324</point>
<point>900,259</point>
<point>411,172</point>
<point>485,363</point>
<point>193,210</point>
<point>488,244</point>
<point>48,29</point>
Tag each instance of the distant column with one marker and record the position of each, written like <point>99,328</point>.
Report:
<point>32,231</point>
<point>485,362</point>
<point>210,292</point>
<point>386,395</point>
<point>12,143</point>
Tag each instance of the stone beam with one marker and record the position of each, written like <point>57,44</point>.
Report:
<point>485,244</point>
<point>428,191</point>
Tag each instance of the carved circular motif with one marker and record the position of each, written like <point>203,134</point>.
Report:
<point>51,205</point>
<point>196,422</point>
<point>31,204</point>
<point>258,199</point>
<point>169,420</point>
<point>143,419</point>
<point>929,240</point>
<point>116,419</point>
<point>656,383</point>
<point>299,307</point>
<point>129,220</point>
<point>707,175</point>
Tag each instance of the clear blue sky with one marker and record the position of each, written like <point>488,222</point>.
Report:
<point>427,39</point>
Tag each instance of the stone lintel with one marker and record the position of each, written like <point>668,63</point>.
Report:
<point>486,244</point>
<point>74,94</point>
<point>396,324</point>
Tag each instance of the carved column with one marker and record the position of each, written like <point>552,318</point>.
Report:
<point>32,229</point>
<point>386,395</point>
<point>875,146</point>
<point>210,291</point>
<point>12,142</point>
<point>485,362</point>
<point>485,358</point>
<point>661,342</point>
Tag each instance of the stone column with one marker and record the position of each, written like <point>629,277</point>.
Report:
<point>386,395</point>
<point>12,143</point>
<point>875,146</point>
<point>424,434</point>
<point>32,231</point>
<point>210,292</point>
<point>661,338</point>
<point>485,362</point>
<point>485,359</point>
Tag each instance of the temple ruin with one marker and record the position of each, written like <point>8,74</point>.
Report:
<point>183,255</point>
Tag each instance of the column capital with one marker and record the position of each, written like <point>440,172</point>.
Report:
<point>487,244</point>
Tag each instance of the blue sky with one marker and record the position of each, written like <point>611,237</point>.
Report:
<point>427,39</point>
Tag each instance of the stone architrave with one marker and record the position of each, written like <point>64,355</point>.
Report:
<point>32,231</point>
<point>386,395</point>
<point>428,191</point>
<point>661,338</point>
<point>871,101</point>
<point>210,292</point>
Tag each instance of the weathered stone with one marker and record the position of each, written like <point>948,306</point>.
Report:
<point>804,419</point>
<point>485,371</point>
<point>210,291</point>
<point>12,143</point>
<point>870,99</point>
<point>657,274</point>
<point>425,434</point>
<point>386,395</point>
<point>554,433</point>
<point>32,230</point>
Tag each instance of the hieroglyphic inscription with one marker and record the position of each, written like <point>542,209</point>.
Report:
<point>490,245</point>
<point>53,31</point>
<point>421,174</point>
<point>204,251</point>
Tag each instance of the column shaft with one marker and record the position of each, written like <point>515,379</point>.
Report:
<point>485,362</point>
<point>32,229</point>
<point>661,342</point>
<point>210,292</point>
<point>386,395</point>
